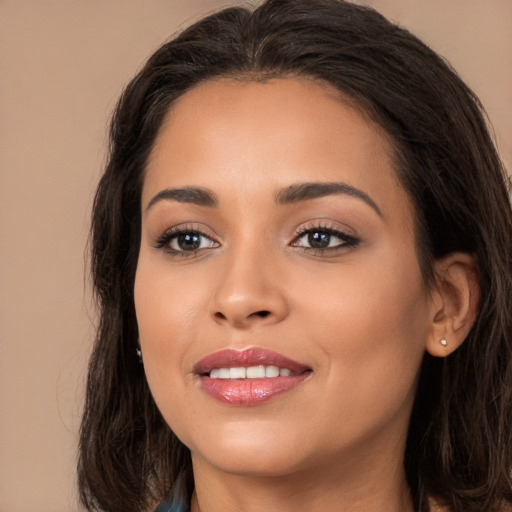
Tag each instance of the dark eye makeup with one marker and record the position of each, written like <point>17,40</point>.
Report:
<point>318,240</point>
<point>323,240</point>
<point>185,241</point>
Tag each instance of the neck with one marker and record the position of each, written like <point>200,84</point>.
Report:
<point>363,486</point>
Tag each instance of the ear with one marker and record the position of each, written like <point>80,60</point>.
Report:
<point>454,304</point>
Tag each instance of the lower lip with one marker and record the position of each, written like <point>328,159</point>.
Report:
<point>248,392</point>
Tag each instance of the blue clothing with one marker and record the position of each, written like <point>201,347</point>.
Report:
<point>174,506</point>
<point>179,497</point>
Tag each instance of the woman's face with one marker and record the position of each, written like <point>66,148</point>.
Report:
<point>274,228</point>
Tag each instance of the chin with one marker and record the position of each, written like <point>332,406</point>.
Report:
<point>248,463</point>
<point>258,452</point>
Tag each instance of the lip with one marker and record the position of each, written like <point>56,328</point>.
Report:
<point>248,357</point>
<point>249,392</point>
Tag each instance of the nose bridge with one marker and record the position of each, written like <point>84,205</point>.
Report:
<point>248,289</point>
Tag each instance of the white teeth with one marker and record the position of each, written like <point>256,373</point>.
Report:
<point>252,372</point>
<point>237,373</point>
<point>271,371</point>
<point>255,372</point>
<point>224,373</point>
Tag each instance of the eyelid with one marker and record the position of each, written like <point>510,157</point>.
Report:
<point>346,234</point>
<point>163,241</point>
<point>326,224</point>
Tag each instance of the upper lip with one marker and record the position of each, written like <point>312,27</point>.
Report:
<point>229,358</point>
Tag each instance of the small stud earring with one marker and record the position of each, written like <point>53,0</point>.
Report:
<point>444,342</point>
<point>139,354</point>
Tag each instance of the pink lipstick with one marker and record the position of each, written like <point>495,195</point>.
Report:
<point>249,377</point>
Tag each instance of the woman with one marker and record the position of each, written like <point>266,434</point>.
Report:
<point>302,252</point>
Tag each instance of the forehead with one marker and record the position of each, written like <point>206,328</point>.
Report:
<point>267,107</point>
<point>280,131</point>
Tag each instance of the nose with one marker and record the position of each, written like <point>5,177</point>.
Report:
<point>249,292</point>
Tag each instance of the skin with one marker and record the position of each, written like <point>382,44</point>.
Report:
<point>360,316</point>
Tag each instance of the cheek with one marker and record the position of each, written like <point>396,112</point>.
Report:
<point>166,304</point>
<point>166,328</point>
<point>166,312</point>
<point>371,324</point>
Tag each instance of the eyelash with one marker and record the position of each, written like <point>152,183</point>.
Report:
<point>165,241</point>
<point>347,241</point>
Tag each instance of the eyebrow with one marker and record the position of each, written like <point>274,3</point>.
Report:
<point>289,195</point>
<point>194,195</point>
<point>307,191</point>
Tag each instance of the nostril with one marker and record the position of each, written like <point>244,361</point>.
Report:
<point>262,314</point>
<point>241,317</point>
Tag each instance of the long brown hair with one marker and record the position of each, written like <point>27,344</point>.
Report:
<point>459,448</point>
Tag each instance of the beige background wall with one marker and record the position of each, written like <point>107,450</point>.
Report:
<point>62,65</point>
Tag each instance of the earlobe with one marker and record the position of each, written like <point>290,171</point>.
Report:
<point>455,300</point>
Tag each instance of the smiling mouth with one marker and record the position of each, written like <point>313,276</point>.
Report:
<point>251,372</point>
<point>249,377</point>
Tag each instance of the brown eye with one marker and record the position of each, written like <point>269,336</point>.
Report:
<point>188,242</point>
<point>319,239</point>
<point>324,239</point>
<point>183,241</point>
